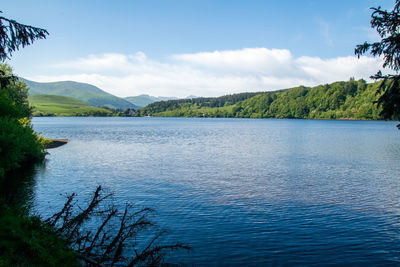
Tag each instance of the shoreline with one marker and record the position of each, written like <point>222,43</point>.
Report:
<point>56,143</point>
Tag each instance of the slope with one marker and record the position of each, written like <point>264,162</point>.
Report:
<point>55,105</point>
<point>339,100</point>
<point>195,103</point>
<point>144,100</point>
<point>84,92</point>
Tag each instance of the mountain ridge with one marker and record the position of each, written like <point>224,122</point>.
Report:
<point>87,93</point>
<point>145,99</point>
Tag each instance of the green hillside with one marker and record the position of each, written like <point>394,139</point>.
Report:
<point>84,92</point>
<point>55,105</point>
<point>144,100</point>
<point>339,100</point>
<point>193,104</point>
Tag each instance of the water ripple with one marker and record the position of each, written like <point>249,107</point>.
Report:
<point>241,191</point>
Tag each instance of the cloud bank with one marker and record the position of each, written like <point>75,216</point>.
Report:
<point>210,73</point>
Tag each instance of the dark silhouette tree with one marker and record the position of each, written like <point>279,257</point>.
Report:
<point>387,24</point>
<point>13,35</point>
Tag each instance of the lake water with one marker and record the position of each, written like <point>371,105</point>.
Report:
<point>240,191</point>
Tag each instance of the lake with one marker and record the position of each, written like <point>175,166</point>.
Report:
<point>240,191</point>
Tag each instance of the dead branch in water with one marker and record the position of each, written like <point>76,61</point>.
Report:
<point>107,244</point>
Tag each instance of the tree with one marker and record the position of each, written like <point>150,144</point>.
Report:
<point>112,242</point>
<point>387,24</point>
<point>18,142</point>
<point>13,35</point>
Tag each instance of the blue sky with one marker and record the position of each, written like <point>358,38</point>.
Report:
<point>204,48</point>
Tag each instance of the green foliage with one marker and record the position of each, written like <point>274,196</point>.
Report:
<point>389,98</point>
<point>55,105</point>
<point>387,25</point>
<point>18,144</point>
<point>8,106</point>
<point>24,240</point>
<point>15,91</point>
<point>194,103</point>
<point>339,100</point>
<point>27,241</point>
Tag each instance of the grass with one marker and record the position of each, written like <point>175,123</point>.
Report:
<point>55,105</point>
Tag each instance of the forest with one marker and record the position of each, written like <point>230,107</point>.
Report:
<point>340,100</point>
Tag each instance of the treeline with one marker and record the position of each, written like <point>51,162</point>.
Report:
<point>76,114</point>
<point>106,112</point>
<point>200,102</point>
<point>340,100</point>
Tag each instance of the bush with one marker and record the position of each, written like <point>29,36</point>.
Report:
<point>18,144</point>
<point>27,241</point>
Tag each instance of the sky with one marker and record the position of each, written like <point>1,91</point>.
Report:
<point>195,47</point>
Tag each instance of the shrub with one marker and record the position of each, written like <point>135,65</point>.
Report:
<point>18,144</point>
<point>27,241</point>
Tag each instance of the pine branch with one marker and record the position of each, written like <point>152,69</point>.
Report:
<point>13,35</point>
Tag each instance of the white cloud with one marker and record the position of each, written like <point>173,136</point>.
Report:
<point>210,73</point>
<point>340,68</point>
<point>248,60</point>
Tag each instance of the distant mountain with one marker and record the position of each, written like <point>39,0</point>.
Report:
<point>56,105</point>
<point>84,92</point>
<point>144,100</point>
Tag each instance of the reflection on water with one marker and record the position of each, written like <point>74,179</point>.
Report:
<point>18,185</point>
<point>241,191</point>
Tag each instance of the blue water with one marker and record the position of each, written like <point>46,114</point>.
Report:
<point>240,191</point>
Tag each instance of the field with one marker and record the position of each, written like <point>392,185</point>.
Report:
<point>54,105</point>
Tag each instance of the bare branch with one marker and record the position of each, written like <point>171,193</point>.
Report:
<point>108,245</point>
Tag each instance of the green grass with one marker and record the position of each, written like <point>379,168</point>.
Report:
<point>55,105</point>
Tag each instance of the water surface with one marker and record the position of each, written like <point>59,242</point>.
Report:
<point>241,191</point>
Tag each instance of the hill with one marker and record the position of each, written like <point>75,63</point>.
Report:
<point>339,100</point>
<point>55,105</point>
<point>180,106</point>
<point>84,92</point>
<point>144,100</point>
<point>195,103</point>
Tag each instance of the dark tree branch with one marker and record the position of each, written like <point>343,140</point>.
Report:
<point>387,25</point>
<point>13,35</point>
<point>107,245</point>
